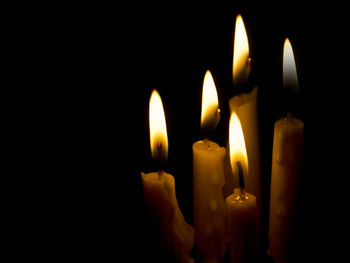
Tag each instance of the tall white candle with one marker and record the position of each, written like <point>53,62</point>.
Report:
<point>287,155</point>
<point>285,186</point>
<point>208,180</point>
<point>176,236</point>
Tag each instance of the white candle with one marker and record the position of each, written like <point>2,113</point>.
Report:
<point>287,154</point>
<point>176,236</point>
<point>241,205</point>
<point>208,180</point>
<point>241,215</point>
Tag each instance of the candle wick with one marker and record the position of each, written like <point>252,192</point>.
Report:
<point>241,180</point>
<point>160,173</point>
<point>289,114</point>
<point>206,142</point>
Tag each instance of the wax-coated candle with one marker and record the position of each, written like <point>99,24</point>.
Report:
<point>285,186</point>
<point>208,200</point>
<point>241,216</point>
<point>287,155</point>
<point>208,180</point>
<point>175,236</point>
<point>241,206</point>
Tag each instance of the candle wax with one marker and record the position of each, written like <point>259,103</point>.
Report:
<point>208,200</point>
<point>176,235</point>
<point>285,185</point>
<point>242,227</point>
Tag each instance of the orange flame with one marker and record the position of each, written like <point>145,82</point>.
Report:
<point>157,127</point>
<point>241,61</point>
<point>238,152</point>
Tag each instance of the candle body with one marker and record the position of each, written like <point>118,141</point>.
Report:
<point>208,200</point>
<point>285,186</point>
<point>176,236</point>
<point>245,106</point>
<point>242,227</point>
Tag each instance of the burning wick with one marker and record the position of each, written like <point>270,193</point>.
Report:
<point>159,147</point>
<point>206,138</point>
<point>206,142</point>
<point>209,126</point>
<point>249,61</point>
<point>242,195</point>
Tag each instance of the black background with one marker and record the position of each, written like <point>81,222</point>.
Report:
<point>80,78</point>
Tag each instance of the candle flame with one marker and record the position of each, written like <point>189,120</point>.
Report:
<point>290,77</point>
<point>241,61</point>
<point>210,105</point>
<point>238,152</point>
<point>157,127</point>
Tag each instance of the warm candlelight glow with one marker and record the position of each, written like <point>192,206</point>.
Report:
<point>290,77</point>
<point>238,152</point>
<point>210,106</point>
<point>157,127</point>
<point>241,61</point>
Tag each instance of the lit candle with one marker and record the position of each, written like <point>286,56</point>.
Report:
<point>245,106</point>
<point>176,236</point>
<point>241,205</point>
<point>208,180</point>
<point>288,144</point>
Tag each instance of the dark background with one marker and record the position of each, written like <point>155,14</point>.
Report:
<point>80,78</point>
